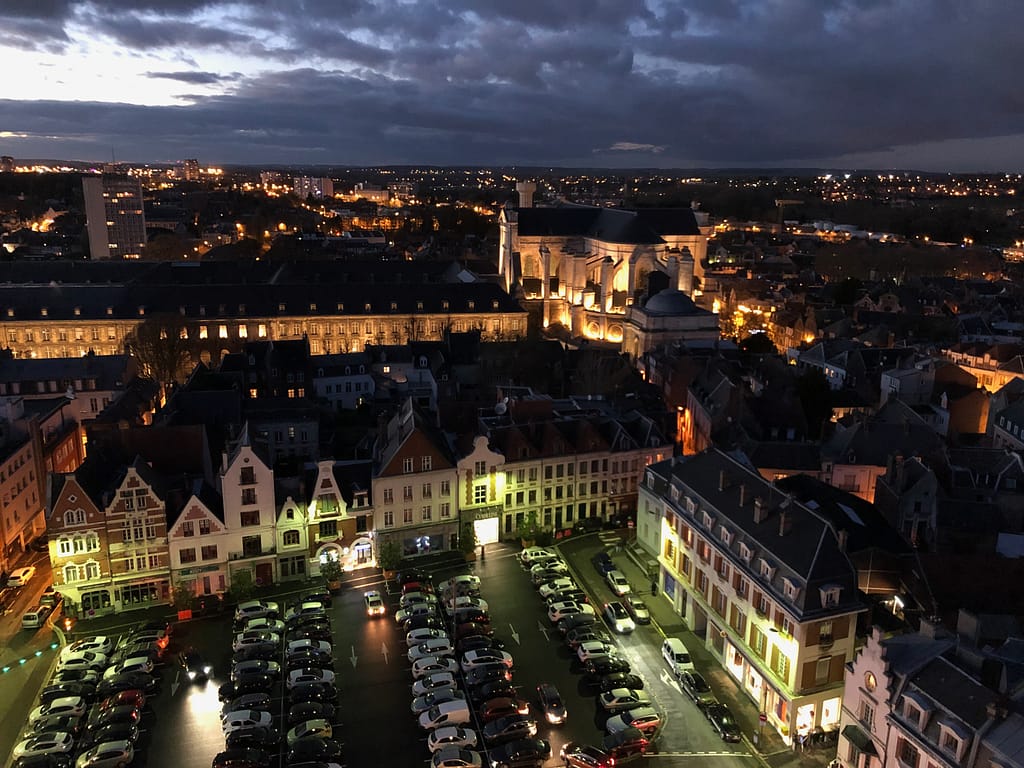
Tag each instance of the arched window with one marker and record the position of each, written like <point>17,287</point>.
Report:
<point>65,546</point>
<point>70,573</point>
<point>92,542</point>
<point>291,538</point>
<point>92,570</point>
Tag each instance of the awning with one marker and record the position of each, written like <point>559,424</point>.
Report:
<point>859,739</point>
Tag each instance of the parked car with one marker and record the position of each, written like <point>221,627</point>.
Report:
<point>507,729</point>
<point>111,732</point>
<point>129,681</point>
<point>482,692</point>
<point>521,753</point>
<point>253,683</point>
<point>452,736</point>
<point>50,693</point>
<point>72,705</point>
<point>133,696</point>
<point>485,656</point>
<point>257,737</point>
<point>242,757</point>
<point>436,647</point>
<point>722,721</point>
<point>135,664</point>
<point>575,621</point>
<point>319,595</point>
<point>594,649</point>
<point>54,724</point>
<point>266,651</point>
<point>432,665</point>
<point>307,644</point>
<point>82,660</point>
<point>409,599</point>
<point>299,713</point>
<point>99,644</point>
<point>574,638</point>
<point>309,675</point>
<point>502,706</point>
<point>620,680</point>
<point>314,748</point>
<point>308,692</point>
<point>305,608</point>
<point>257,667</point>
<point>626,743</point>
<point>551,704</point>
<point>315,659</point>
<point>637,609</point>
<point>644,719</point>
<point>419,609</point>
<point>464,584</point>
<point>44,744</point>
<point>618,617</point>
<point>575,755</point>
<point>423,702</point>
<point>697,688</point>
<point>252,609</point>
<point>122,713</point>
<point>21,576</point>
<point>488,674</point>
<point>244,639</point>
<point>245,718</point>
<point>603,563</point>
<point>617,581</point>
<point>555,585</point>
<point>456,757</point>
<point>315,631</point>
<point>433,682</point>
<point>619,699</point>
<point>606,665</point>
<point>247,701</point>
<point>317,727</point>
<point>557,611</point>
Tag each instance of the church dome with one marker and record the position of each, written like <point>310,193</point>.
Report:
<point>670,302</point>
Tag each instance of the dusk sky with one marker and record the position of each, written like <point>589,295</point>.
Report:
<point>925,84</point>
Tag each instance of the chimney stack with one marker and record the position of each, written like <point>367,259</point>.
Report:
<point>760,512</point>
<point>526,190</point>
<point>722,480</point>
<point>785,522</point>
<point>743,494</point>
<point>841,537</point>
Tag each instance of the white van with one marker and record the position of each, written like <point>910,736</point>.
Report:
<point>33,618</point>
<point>676,656</point>
<point>446,713</point>
<point>21,577</point>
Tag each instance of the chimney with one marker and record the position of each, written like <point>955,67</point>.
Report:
<point>526,190</point>
<point>785,522</point>
<point>743,494</point>
<point>722,480</point>
<point>841,537</point>
<point>760,512</point>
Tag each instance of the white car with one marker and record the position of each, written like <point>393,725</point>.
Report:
<point>422,703</point>
<point>486,656</point>
<point>83,660</point>
<point>21,577</point>
<point>464,584</point>
<point>98,644</point>
<point>44,744</point>
<point>67,705</point>
<point>309,675</point>
<point>244,719</point>
<point>560,610</point>
<point>619,699</point>
<point>617,581</point>
<point>551,587</point>
<point>431,665</point>
<point>305,644</point>
<point>594,649</point>
<point>533,555</point>
<point>308,608</point>
<point>452,736</point>
<point>468,602</point>
<point>255,638</point>
<point>417,598</point>
<point>108,754</point>
<point>433,682</point>
<point>135,664</point>
<point>264,624</point>
<point>618,617</point>
<point>456,757</point>
<point>75,676</point>
<point>374,603</point>
<point>438,647</point>
<point>417,636</point>
<point>255,609</point>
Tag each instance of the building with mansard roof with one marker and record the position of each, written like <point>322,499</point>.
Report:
<point>762,580</point>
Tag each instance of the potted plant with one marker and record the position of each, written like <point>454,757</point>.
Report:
<point>389,557</point>
<point>468,541</point>
<point>529,530</point>
<point>331,571</point>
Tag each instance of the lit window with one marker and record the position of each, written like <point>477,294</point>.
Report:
<point>243,332</point>
<point>203,332</point>
<point>222,332</point>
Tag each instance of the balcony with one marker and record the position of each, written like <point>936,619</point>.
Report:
<point>252,552</point>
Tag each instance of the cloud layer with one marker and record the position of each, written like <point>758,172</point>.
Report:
<point>878,83</point>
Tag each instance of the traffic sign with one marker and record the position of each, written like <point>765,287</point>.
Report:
<point>763,717</point>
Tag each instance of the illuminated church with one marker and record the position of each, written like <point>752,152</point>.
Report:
<point>591,268</point>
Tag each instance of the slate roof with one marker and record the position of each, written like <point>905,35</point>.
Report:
<point>614,225</point>
<point>786,454</point>
<point>808,553</point>
<point>954,691</point>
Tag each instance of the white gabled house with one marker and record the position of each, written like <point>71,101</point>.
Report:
<point>247,489</point>
<point>292,536</point>
<point>199,543</point>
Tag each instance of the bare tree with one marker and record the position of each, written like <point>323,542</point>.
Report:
<point>163,345</point>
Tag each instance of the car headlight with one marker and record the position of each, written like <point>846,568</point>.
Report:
<point>191,674</point>
<point>207,669</point>
<point>554,718</point>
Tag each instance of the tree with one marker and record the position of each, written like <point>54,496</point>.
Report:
<point>758,344</point>
<point>468,539</point>
<point>242,586</point>
<point>183,597</point>
<point>331,571</point>
<point>389,556</point>
<point>163,346</point>
<point>815,398</point>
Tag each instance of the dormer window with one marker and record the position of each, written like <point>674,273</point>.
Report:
<point>444,305</point>
<point>312,306</point>
<point>675,493</point>
<point>367,307</point>
<point>110,311</point>
<point>494,304</point>
<point>830,595</point>
<point>241,309</point>
<point>472,305</point>
<point>181,310</point>
<point>44,312</point>
<point>746,553</point>
<point>766,569</point>
<point>791,588</point>
<point>281,306</point>
<point>10,312</point>
<point>691,505</point>
<point>394,306</point>
<point>953,739</point>
<point>78,311</point>
<point>142,311</point>
<point>708,520</point>
<point>419,305</point>
<point>202,310</point>
<point>725,535</point>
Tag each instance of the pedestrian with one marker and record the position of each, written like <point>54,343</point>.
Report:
<point>654,587</point>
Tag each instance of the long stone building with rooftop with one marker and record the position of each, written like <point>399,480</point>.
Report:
<point>66,309</point>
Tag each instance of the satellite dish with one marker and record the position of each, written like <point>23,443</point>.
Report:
<point>500,409</point>
<point>69,393</point>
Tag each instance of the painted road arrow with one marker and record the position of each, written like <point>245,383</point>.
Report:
<point>174,685</point>
<point>384,650</point>
<point>669,680</point>
<point>515,635</point>
<point>353,658</point>
<point>543,630</point>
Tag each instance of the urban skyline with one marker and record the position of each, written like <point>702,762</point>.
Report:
<point>788,83</point>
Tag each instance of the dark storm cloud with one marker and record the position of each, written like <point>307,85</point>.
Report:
<point>575,81</point>
<point>192,76</point>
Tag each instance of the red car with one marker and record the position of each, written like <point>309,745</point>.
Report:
<point>132,696</point>
<point>503,706</point>
<point>418,586</point>
<point>472,629</point>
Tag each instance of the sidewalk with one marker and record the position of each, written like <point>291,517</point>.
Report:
<point>764,742</point>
